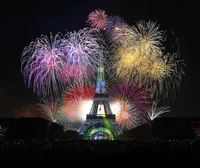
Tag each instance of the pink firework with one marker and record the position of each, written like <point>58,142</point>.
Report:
<point>42,65</point>
<point>131,93</point>
<point>98,19</point>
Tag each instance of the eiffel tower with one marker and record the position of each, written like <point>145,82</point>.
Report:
<point>100,123</point>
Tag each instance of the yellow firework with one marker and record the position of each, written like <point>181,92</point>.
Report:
<point>148,36</point>
<point>152,69</point>
<point>124,62</point>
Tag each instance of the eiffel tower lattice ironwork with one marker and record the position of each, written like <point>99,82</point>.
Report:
<point>100,117</point>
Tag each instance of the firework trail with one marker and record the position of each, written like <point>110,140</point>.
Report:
<point>156,111</point>
<point>42,65</point>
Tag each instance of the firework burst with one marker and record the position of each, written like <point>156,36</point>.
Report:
<point>156,111</point>
<point>81,50</point>
<point>42,65</point>
<point>149,38</point>
<point>129,103</point>
<point>127,114</point>
<point>49,108</point>
<point>97,19</point>
<point>143,60</point>
<point>77,101</point>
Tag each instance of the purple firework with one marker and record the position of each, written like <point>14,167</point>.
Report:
<point>81,53</point>
<point>42,65</point>
<point>112,23</point>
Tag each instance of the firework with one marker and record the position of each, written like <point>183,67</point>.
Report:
<point>97,19</point>
<point>123,34</point>
<point>81,51</point>
<point>165,76</point>
<point>42,65</point>
<point>77,101</point>
<point>134,56</point>
<point>156,111</point>
<point>143,60</point>
<point>49,108</point>
<point>149,37</point>
<point>129,103</point>
<point>126,114</point>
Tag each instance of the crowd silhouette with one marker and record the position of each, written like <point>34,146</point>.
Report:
<point>73,149</point>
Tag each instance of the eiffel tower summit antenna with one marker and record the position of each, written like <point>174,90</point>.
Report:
<point>100,123</point>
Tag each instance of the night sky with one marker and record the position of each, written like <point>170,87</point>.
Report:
<point>24,21</point>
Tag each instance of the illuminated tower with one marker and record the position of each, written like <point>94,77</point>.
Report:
<point>100,122</point>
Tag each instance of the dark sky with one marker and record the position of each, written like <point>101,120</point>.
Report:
<point>23,21</point>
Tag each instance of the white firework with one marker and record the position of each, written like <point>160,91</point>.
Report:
<point>156,111</point>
